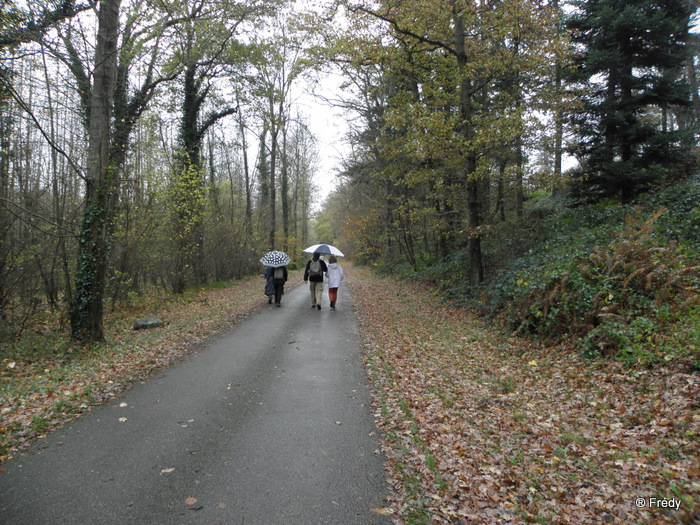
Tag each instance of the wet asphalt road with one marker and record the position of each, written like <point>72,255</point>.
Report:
<point>267,424</point>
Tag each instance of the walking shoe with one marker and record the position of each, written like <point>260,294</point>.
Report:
<point>278,304</point>
<point>318,306</point>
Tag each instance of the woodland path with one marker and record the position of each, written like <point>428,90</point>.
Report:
<point>268,424</point>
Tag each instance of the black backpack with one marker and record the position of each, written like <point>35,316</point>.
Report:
<point>278,275</point>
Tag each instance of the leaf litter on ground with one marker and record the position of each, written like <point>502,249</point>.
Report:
<point>479,427</point>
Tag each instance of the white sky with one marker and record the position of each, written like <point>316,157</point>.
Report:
<point>329,126</point>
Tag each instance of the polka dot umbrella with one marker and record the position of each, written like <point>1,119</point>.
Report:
<point>275,259</point>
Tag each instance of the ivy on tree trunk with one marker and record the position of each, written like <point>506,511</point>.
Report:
<point>101,185</point>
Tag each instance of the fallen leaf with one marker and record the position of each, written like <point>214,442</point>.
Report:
<point>191,501</point>
<point>167,470</point>
<point>384,511</point>
<point>122,419</point>
<point>222,505</point>
<point>122,405</point>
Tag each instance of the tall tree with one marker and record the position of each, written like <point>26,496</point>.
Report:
<point>278,66</point>
<point>631,56</point>
<point>127,105</point>
<point>208,45</point>
<point>449,113</point>
<point>100,184</point>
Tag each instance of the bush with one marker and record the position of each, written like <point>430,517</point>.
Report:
<point>622,281</point>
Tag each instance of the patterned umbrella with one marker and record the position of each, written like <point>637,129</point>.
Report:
<point>325,249</point>
<point>275,259</point>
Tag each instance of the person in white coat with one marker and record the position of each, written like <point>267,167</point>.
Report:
<point>335,277</point>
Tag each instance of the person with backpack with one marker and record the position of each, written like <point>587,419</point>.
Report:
<point>279,277</point>
<point>315,269</point>
<point>335,277</point>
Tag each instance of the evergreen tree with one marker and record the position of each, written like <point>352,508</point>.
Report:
<point>631,56</point>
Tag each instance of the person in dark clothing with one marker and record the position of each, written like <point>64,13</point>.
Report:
<point>279,277</point>
<point>269,285</point>
<point>315,269</point>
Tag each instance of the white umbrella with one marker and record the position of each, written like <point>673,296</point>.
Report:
<point>275,259</point>
<point>325,249</point>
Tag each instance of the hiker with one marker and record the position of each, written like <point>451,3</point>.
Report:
<point>315,269</point>
<point>335,277</point>
<point>279,277</point>
<point>269,285</point>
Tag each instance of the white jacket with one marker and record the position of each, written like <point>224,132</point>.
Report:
<point>335,275</point>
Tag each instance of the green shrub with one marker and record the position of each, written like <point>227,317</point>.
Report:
<point>621,279</point>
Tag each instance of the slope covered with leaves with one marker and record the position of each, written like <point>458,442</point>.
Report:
<point>482,428</point>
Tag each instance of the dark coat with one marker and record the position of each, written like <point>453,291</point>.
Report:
<point>284,276</point>
<point>269,285</point>
<point>324,269</point>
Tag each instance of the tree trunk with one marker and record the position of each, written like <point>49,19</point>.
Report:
<point>558,125</point>
<point>285,190</point>
<point>476,268</point>
<point>101,185</point>
<point>519,177</point>
<point>246,172</point>
<point>189,189</point>
<point>274,130</point>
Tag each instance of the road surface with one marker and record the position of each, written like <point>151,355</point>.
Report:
<point>267,424</point>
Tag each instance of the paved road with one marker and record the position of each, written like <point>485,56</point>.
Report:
<point>268,424</point>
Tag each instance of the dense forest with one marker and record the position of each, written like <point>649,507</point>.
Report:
<point>535,158</point>
<point>146,146</point>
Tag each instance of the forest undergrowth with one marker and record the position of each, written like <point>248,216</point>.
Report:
<point>480,427</point>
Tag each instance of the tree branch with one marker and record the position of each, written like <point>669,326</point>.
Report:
<point>406,32</point>
<point>213,118</point>
<point>28,29</point>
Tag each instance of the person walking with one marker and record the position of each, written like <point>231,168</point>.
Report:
<point>313,273</point>
<point>269,284</point>
<point>335,277</point>
<point>279,277</point>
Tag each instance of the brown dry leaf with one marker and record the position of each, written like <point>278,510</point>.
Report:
<point>191,501</point>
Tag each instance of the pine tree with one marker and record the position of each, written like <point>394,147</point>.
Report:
<point>631,55</point>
